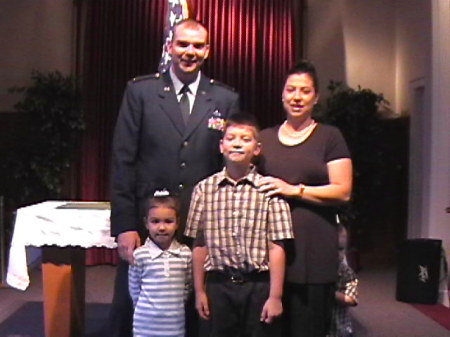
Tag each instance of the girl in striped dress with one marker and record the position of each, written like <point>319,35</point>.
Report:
<point>160,278</point>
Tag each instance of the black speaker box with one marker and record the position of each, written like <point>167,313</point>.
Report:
<point>418,271</point>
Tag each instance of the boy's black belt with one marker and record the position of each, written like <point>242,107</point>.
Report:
<point>237,276</point>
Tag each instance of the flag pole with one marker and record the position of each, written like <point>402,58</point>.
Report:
<point>176,10</point>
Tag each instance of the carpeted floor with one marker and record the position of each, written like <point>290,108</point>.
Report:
<point>28,320</point>
<point>378,314</point>
<point>437,313</point>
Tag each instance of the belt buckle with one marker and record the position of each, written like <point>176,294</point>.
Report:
<point>237,279</point>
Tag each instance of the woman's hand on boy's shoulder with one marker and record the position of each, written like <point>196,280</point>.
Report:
<point>276,186</point>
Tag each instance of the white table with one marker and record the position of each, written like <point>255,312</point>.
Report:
<point>64,229</point>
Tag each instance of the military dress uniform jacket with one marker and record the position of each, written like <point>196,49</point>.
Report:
<point>153,148</point>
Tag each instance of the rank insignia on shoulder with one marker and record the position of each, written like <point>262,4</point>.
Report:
<point>215,82</point>
<point>146,77</point>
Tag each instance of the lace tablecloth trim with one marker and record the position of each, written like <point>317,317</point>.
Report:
<point>46,224</point>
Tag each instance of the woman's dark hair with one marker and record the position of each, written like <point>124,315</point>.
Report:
<point>305,67</point>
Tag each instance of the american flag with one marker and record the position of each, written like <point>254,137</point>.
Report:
<point>177,10</point>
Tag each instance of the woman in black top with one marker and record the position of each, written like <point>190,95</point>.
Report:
<point>308,163</point>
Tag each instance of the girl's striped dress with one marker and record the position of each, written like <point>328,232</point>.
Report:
<point>159,283</point>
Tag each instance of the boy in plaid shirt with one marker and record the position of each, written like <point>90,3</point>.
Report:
<point>346,293</point>
<point>238,256</point>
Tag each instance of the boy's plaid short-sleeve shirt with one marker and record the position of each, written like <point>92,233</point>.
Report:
<point>341,325</point>
<point>236,221</point>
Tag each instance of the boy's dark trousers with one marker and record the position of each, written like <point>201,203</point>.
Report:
<point>236,303</point>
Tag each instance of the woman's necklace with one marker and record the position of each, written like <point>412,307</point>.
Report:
<point>291,137</point>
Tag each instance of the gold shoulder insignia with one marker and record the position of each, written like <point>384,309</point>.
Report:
<point>146,77</point>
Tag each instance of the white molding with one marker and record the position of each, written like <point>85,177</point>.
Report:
<point>439,192</point>
<point>419,159</point>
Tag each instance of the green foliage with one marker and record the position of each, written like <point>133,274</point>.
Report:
<point>357,114</point>
<point>52,103</point>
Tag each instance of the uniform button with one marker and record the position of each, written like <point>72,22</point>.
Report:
<point>180,187</point>
<point>183,165</point>
<point>185,143</point>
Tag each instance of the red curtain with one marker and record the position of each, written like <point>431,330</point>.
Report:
<point>252,46</point>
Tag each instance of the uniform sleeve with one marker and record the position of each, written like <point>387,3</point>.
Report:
<point>135,279</point>
<point>234,105</point>
<point>195,213</point>
<point>279,219</point>
<point>124,153</point>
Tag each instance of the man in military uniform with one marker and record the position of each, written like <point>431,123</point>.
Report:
<point>167,136</point>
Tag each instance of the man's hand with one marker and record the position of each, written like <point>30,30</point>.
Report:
<point>201,303</point>
<point>271,310</point>
<point>127,242</point>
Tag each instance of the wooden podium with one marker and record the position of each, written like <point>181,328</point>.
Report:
<point>63,282</point>
<point>64,230</point>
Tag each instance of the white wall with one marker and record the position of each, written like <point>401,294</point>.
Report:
<point>353,41</point>
<point>423,54</point>
<point>369,44</point>
<point>438,195</point>
<point>414,36</point>
<point>400,48</point>
<point>412,49</point>
<point>324,41</point>
<point>35,34</point>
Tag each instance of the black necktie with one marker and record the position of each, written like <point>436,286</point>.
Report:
<point>184,103</point>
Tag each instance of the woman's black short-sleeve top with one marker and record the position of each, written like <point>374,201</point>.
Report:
<point>312,256</point>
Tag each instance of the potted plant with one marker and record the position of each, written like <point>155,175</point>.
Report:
<point>358,114</point>
<point>33,170</point>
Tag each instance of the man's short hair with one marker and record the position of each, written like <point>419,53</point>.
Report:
<point>192,24</point>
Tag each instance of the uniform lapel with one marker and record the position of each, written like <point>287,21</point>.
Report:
<point>202,106</point>
<point>169,103</point>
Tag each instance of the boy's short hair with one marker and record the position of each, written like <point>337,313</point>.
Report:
<point>165,200</point>
<point>242,118</point>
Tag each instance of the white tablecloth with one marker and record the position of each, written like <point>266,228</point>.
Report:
<point>80,224</point>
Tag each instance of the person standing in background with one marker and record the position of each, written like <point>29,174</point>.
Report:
<point>346,291</point>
